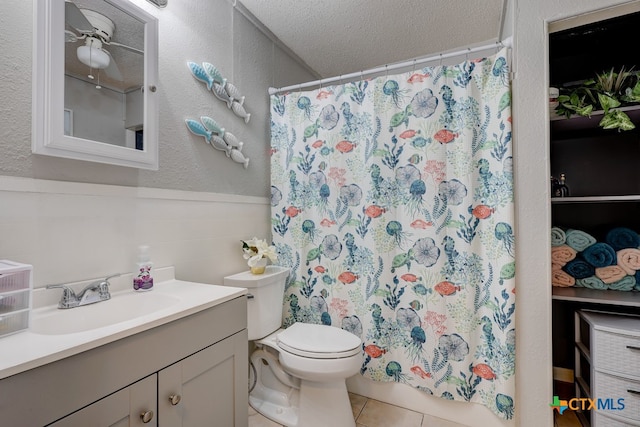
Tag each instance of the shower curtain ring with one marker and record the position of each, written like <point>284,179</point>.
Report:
<point>386,71</point>
<point>440,60</point>
<point>414,66</point>
<point>467,55</point>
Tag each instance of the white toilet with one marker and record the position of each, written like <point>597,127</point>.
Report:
<point>297,375</point>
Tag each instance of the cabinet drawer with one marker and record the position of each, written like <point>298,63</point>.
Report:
<point>616,353</point>
<point>14,301</point>
<point>14,322</point>
<point>12,280</point>
<point>613,388</point>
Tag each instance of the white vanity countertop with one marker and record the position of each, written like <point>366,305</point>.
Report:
<point>26,350</point>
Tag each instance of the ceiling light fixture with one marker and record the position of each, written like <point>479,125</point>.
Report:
<point>92,55</point>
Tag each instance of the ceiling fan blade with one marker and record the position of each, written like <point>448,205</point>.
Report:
<point>124,46</point>
<point>75,18</point>
<point>112,69</point>
<point>70,36</point>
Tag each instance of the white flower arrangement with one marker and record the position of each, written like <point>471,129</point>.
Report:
<point>256,249</point>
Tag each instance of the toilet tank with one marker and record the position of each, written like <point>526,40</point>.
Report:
<point>265,298</point>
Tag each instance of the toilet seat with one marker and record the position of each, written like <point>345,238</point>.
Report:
<point>318,341</point>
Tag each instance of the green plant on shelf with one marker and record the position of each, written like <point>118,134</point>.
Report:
<point>608,91</point>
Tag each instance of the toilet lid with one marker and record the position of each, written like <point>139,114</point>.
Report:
<point>318,341</point>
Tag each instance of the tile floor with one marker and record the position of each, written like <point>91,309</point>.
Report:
<point>372,413</point>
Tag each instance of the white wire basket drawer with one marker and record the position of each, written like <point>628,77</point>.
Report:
<point>614,388</point>
<point>602,420</point>
<point>617,353</point>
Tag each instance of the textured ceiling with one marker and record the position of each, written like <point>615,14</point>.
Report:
<point>336,37</point>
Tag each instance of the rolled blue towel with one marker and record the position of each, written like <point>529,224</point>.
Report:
<point>579,240</point>
<point>627,283</point>
<point>558,236</point>
<point>622,237</point>
<point>600,255</point>
<point>579,269</point>
<point>592,283</point>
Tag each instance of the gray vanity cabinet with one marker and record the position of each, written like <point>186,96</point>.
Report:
<point>202,390</point>
<point>124,408</point>
<point>199,362</point>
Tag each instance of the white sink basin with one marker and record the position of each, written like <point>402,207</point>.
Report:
<point>55,334</point>
<point>122,307</point>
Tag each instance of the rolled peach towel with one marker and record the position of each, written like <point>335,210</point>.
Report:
<point>610,274</point>
<point>561,279</point>
<point>562,254</point>
<point>556,266</point>
<point>629,260</point>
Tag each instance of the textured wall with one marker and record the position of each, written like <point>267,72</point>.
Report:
<point>204,30</point>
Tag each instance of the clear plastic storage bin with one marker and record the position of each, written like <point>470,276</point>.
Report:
<point>15,296</point>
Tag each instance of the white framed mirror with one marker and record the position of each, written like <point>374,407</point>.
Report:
<point>96,61</point>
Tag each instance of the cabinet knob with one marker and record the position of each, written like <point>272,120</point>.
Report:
<point>175,399</point>
<point>146,416</point>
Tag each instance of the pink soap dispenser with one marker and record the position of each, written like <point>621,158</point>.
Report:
<point>142,276</point>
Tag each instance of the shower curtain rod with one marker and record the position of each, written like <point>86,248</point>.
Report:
<point>390,67</point>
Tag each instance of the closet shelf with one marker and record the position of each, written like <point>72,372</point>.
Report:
<point>629,109</point>
<point>596,199</point>
<point>562,124</point>
<point>596,296</point>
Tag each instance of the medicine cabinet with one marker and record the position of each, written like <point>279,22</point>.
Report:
<point>95,74</point>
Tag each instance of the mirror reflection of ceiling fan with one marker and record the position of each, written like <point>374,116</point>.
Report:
<point>97,31</point>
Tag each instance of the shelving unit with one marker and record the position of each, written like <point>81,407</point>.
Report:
<point>603,174</point>
<point>605,192</point>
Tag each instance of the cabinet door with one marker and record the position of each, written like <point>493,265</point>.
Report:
<point>208,388</point>
<point>124,408</point>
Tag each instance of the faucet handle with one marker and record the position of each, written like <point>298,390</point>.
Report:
<point>103,286</point>
<point>66,289</point>
<point>106,279</point>
<point>68,295</point>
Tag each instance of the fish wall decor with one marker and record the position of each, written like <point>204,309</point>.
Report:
<point>221,87</point>
<point>218,138</point>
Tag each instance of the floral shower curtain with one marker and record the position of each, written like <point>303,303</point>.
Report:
<point>392,203</point>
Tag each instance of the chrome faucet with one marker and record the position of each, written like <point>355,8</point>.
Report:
<point>94,292</point>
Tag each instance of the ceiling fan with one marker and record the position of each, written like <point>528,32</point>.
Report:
<point>97,31</point>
